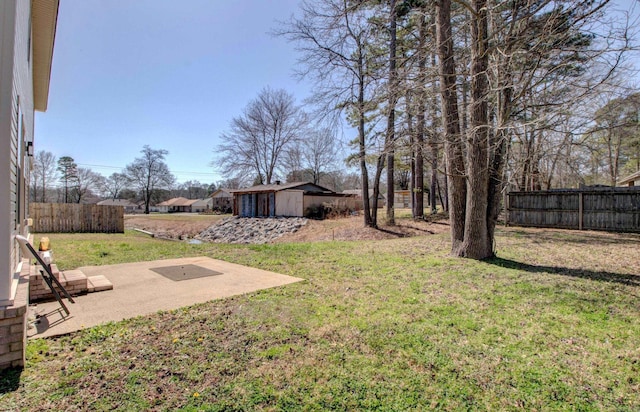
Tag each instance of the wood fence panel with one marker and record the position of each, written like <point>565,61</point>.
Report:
<point>76,218</point>
<point>610,209</point>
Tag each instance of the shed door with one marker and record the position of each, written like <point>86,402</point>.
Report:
<point>263,204</point>
<point>272,204</point>
<point>247,205</point>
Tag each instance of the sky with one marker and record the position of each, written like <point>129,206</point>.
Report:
<point>164,73</point>
<point>168,74</point>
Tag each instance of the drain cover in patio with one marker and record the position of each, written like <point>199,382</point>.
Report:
<point>185,272</point>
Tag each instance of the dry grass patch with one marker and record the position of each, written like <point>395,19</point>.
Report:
<point>351,229</point>
<point>172,225</point>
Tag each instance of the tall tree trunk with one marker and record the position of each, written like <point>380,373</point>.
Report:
<point>453,141</point>
<point>413,138</point>
<point>445,177</point>
<point>418,191</point>
<point>464,79</point>
<point>433,146</point>
<point>362,144</point>
<point>376,191</point>
<point>364,173</point>
<point>477,244</point>
<point>391,119</point>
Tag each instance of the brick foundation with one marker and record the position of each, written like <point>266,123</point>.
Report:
<point>13,324</point>
<point>74,281</point>
<point>13,319</point>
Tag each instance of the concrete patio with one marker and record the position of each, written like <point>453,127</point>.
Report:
<point>139,290</point>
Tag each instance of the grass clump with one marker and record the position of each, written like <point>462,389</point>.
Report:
<point>553,324</point>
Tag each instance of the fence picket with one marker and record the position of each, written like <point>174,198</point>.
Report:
<point>76,218</point>
<point>611,209</point>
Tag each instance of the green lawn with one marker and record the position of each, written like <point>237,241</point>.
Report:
<point>552,324</point>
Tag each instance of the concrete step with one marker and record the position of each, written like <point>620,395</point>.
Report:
<point>98,283</point>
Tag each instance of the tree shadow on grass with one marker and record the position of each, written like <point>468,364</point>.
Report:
<point>392,232</point>
<point>601,276</point>
<point>10,380</point>
<point>537,235</point>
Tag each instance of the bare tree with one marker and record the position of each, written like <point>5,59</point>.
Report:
<point>258,138</point>
<point>86,183</point>
<point>335,39</point>
<point>233,183</point>
<point>315,155</point>
<point>149,173</point>
<point>614,136</point>
<point>114,184</point>
<point>44,173</point>
<point>193,189</point>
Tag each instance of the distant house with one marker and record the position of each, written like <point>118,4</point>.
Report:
<point>163,207</point>
<point>288,199</point>
<point>177,204</point>
<point>631,180</point>
<point>129,206</point>
<point>222,199</point>
<point>403,198</point>
<point>182,205</point>
<point>202,205</point>
<point>358,194</point>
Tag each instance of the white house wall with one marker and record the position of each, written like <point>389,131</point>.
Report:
<point>290,203</point>
<point>16,128</point>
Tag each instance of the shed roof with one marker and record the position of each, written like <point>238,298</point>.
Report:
<point>306,186</point>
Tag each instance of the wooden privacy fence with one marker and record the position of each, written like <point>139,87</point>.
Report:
<point>612,209</point>
<point>75,218</point>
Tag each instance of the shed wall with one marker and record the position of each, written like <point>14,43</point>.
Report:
<point>289,203</point>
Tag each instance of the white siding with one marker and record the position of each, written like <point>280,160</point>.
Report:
<point>16,106</point>
<point>289,203</point>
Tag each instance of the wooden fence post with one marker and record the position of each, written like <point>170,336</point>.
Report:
<point>506,208</point>
<point>580,211</point>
